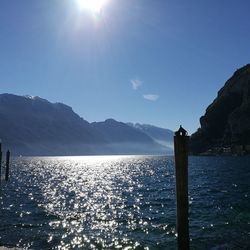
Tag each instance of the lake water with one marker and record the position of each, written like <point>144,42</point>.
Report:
<point>123,202</point>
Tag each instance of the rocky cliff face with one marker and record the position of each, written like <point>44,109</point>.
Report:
<point>226,123</point>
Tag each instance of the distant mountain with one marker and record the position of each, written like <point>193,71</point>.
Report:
<point>114,131</point>
<point>34,126</point>
<point>125,138</point>
<point>225,127</point>
<point>160,135</point>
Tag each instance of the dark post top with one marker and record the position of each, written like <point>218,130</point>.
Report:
<point>181,132</point>
<point>181,139</point>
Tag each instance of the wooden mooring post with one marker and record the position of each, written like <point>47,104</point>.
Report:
<point>181,171</point>
<point>7,165</point>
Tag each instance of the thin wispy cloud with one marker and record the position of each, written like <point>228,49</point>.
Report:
<point>136,83</point>
<point>151,97</point>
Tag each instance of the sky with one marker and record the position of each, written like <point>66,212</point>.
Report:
<point>158,62</point>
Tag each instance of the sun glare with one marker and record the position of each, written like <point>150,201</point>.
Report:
<point>94,6</point>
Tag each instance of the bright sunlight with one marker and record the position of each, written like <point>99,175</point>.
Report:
<point>95,6</point>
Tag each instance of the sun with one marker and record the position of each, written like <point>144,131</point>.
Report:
<point>94,6</point>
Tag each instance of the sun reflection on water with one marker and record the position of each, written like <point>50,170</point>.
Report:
<point>101,202</point>
<point>121,202</point>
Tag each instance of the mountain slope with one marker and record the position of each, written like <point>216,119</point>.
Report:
<point>34,126</point>
<point>125,138</point>
<point>226,123</point>
<point>160,135</point>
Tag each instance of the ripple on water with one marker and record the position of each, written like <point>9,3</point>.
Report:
<point>119,202</point>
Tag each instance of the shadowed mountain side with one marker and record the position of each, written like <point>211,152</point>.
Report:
<point>225,127</point>
<point>41,120</point>
<point>34,126</point>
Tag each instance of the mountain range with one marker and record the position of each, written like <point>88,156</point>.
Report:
<point>34,126</point>
<point>225,126</point>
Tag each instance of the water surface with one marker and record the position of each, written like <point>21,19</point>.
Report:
<point>123,202</point>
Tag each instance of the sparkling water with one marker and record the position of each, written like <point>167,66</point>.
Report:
<point>123,202</point>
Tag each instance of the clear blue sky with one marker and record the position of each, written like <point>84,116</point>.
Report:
<point>150,61</point>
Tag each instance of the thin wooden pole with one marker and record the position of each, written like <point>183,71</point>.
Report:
<point>181,171</point>
<point>7,165</point>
